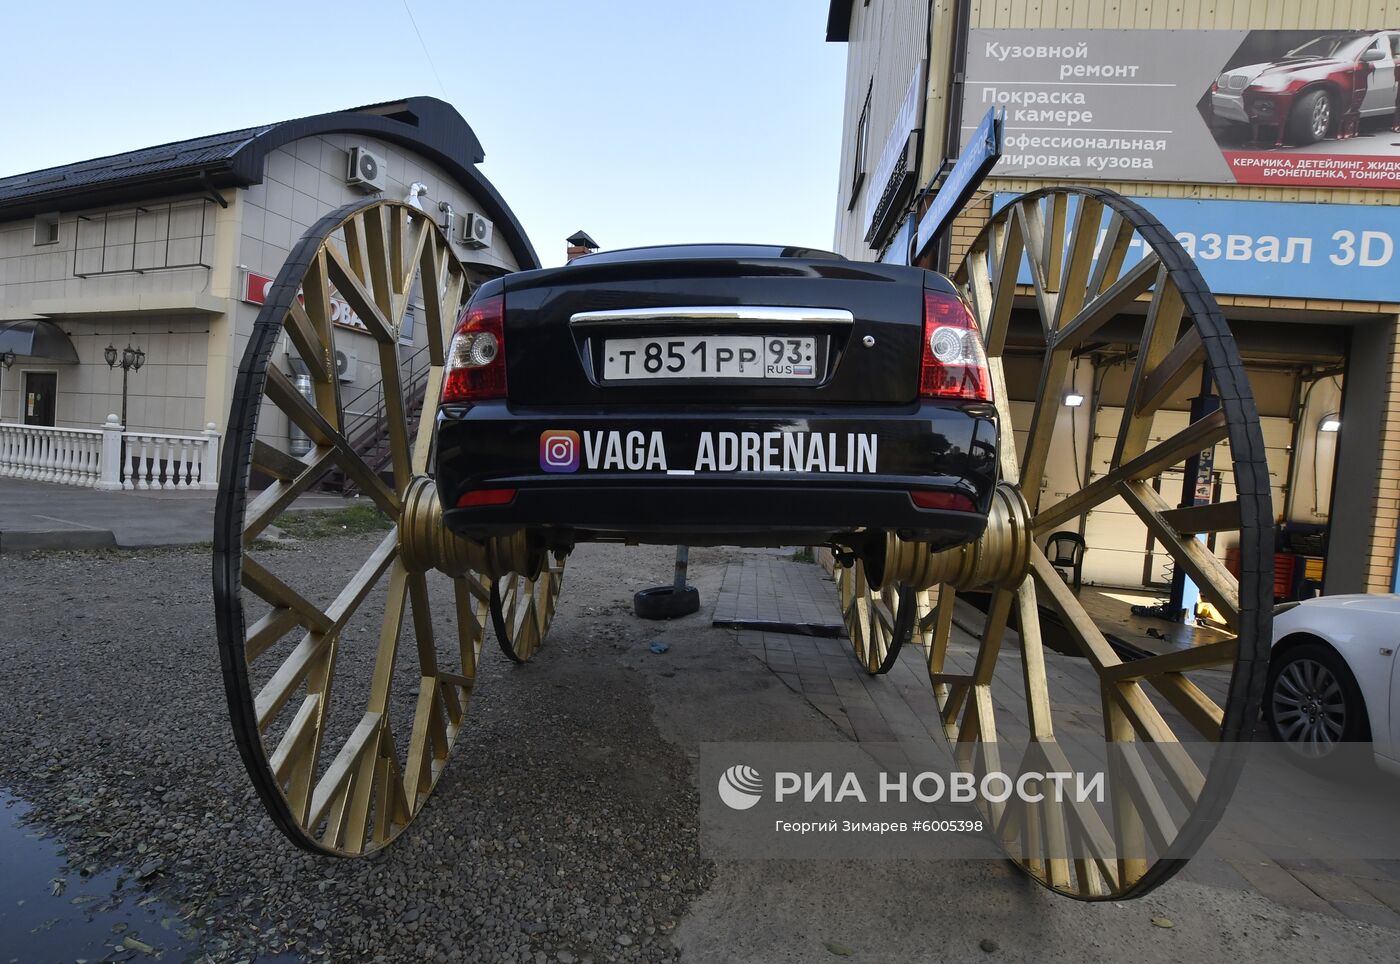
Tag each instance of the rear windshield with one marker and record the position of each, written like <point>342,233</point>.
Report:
<point>689,252</point>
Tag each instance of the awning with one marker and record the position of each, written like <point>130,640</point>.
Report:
<point>35,339</point>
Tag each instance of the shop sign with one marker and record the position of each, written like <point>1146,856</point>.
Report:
<point>1279,249</point>
<point>257,286</point>
<point>1289,107</point>
<point>978,156</point>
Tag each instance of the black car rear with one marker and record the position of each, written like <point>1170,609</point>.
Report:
<point>716,394</point>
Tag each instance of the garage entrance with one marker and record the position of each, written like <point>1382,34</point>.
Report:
<point>1297,371</point>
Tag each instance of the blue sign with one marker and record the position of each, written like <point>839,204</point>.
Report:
<point>1340,252</point>
<point>983,151</point>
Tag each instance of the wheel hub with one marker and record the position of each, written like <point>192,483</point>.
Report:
<point>426,543</point>
<point>1000,556</point>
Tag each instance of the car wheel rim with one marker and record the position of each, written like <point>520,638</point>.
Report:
<point>1321,118</point>
<point>1309,708</point>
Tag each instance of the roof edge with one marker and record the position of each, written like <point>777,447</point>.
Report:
<point>441,134</point>
<point>436,131</point>
<point>838,21</point>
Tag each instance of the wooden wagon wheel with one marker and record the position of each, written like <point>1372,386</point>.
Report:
<point>522,608</point>
<point>878,621</point>
<point>344,711</point>
<point>1101,269</point>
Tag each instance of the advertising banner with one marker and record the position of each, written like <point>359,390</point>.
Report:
<point>1216,106</point>
<point>1276,249</point>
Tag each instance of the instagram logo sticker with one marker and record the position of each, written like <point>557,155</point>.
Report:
<point>559,451</point>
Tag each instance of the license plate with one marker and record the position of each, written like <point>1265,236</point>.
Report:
<point>711,356</point>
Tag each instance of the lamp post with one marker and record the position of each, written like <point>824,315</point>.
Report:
<point>131,360</point>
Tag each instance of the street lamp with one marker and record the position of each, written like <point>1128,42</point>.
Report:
<point>7,359</point>
<point>131,361</point>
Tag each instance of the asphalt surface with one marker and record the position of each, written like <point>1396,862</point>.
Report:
<point>565,828</point>
<point>41,515</point>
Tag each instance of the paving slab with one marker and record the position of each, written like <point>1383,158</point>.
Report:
<point>778,596</point>
<point>899,707</point>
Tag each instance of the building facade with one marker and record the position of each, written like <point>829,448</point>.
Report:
<point>1261,135</point>
<point>170,248</point>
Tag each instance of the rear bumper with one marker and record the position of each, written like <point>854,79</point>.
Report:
<point>719,477</point>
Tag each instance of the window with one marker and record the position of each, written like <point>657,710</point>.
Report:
<point>46,229</point>
<point>862,142</point>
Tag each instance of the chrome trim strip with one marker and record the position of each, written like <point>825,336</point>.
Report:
<point>708,314</point>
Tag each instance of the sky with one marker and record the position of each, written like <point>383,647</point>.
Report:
<point>638,121</point>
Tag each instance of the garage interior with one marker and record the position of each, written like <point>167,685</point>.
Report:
<point>1299,367</point>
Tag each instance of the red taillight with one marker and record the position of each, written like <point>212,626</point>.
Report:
<point>486,497</point>
<point>476,359</point>
<point>954,363</point>
<point>953,501</point>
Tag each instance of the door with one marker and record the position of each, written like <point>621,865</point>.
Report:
<point>40,389</point>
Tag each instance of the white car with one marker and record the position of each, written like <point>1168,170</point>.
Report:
<point>1334,676</point>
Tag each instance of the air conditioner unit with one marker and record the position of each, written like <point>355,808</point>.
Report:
<point>346,365</point>
<point>476,231</point>
<point>366,170</point>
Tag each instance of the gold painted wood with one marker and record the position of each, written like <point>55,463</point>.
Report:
<point>270,460</point>
<point>1210,517</point>
<point>872,617</point>
<point>1183,361</point>
<point>1163,321</point>
<point>1105,306</point>
<point>350,790</point>
<point>1170,452</point>
<point>1216,582</point>
<point>1133,715</point>
<point>522,609</point>
<point>1178,661</point>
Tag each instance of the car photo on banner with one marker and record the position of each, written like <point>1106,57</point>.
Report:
<point>1276,91</point>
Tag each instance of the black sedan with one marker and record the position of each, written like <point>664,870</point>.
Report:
<point>717,394</point>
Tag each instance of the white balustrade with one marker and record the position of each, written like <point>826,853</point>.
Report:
<point>69,456</point>
<point>156,461</point>
<point>108,458</point>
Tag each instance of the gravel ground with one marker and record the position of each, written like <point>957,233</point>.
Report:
<point>564,828</point>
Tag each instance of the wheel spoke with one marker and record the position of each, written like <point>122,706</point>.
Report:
<point>1033,226</point>
<point>1079,258</point>
<point>878,623</point>
<point>522,610</point>
<point>1008,263</point>
<point>286,397</point>
<point>1042,427</point>
<point>1216,582</point>
<point>1104,307</point>
<point>1156,373</point>
<point>1200,434</point>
